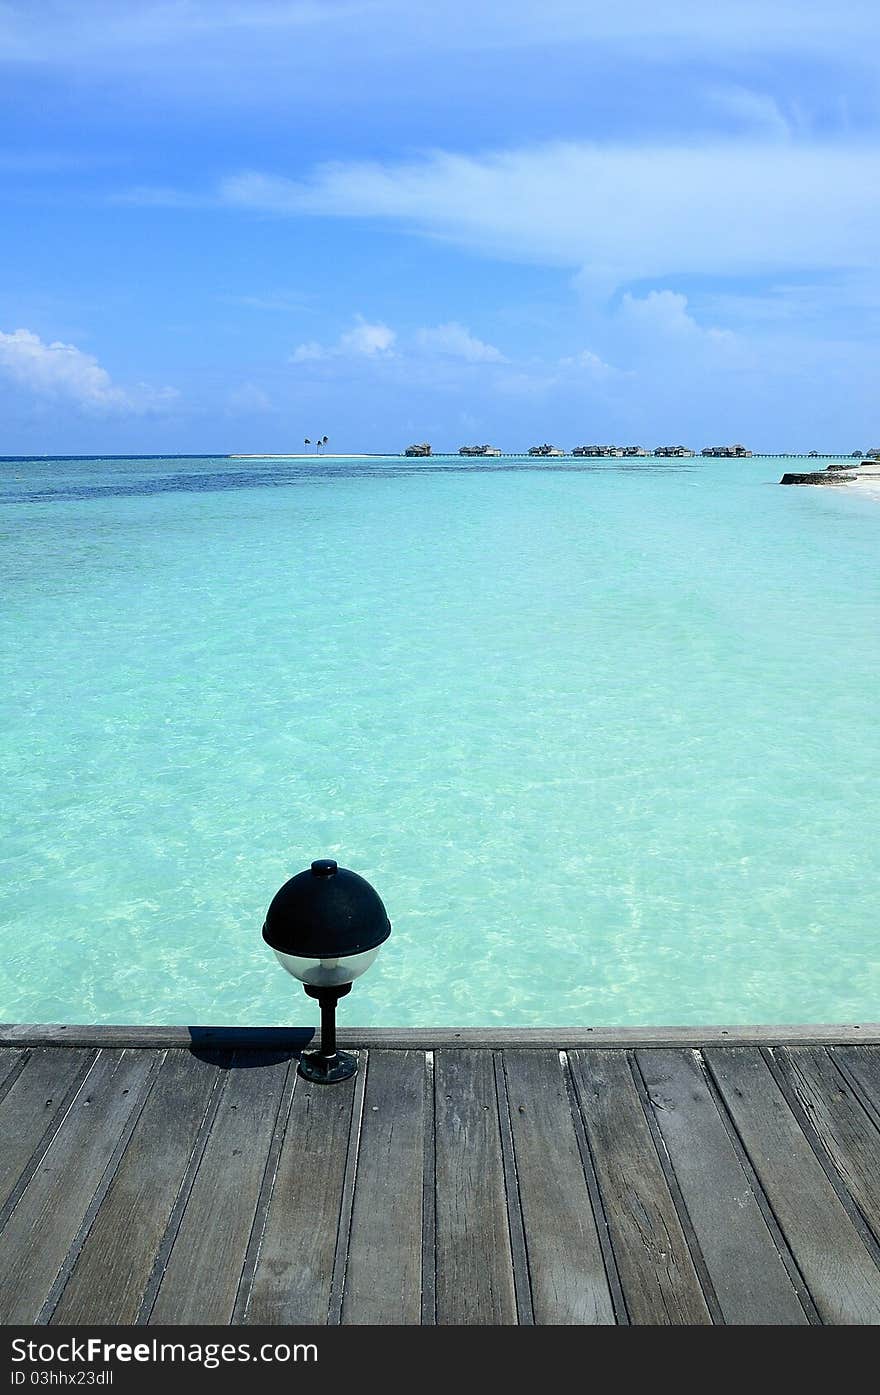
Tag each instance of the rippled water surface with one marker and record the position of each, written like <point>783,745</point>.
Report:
<point>602,734</point>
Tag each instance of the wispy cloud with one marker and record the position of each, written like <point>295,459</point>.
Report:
<point>620,213</point>
<point>67,31</point>
<point>756,111</point>
<point>73,30</point>
<point>62,370</point>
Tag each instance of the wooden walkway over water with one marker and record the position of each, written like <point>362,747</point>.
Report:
<point>163,1176</point>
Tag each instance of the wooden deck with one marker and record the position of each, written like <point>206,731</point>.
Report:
<point>167,1176</point>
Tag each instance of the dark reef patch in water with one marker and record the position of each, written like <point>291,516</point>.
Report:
<point>218,480</point>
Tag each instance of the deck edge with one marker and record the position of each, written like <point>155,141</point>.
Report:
<point>430,1038</point>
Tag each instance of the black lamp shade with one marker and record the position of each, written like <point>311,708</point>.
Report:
<point>323,916</point>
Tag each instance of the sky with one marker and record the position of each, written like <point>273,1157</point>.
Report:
<point>229,225</point>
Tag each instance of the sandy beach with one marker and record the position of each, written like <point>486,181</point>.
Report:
<point>312,455</point>
<point>868,479</point>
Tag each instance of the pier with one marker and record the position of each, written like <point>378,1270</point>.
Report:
<point>669,1176</point>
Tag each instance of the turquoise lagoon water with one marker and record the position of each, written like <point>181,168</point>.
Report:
<point>602,734</point>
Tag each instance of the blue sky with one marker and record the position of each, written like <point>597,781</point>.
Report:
<point>227,225</point>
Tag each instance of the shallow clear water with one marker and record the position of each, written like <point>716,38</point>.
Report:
<point>602,735</point>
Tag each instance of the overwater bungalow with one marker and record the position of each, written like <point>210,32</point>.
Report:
<point>545,450</point>
<point>615,452</point>
<point>478,450</point>
<point>736,452</point>
<point>678,451</point>
<point>422,449</point>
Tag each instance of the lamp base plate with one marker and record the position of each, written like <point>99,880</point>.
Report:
<point>327,1070</point>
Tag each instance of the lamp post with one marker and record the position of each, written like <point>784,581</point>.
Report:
<point>325,926</point>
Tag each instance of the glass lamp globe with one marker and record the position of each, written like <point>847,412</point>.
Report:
<point>327,973</point>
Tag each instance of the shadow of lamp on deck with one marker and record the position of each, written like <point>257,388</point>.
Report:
<point>326,926</point>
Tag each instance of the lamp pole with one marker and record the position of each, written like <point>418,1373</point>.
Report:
<point>327,1064</point>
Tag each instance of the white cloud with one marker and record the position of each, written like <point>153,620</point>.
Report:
<point>62,370</point>
<point>588,362</point>
<point>364,340</point>
<point>756,110</point>
<point>455,341</point>
<point>368,339</point>
<point>619,212</point>
<point>309,352</point>
<point>438,348</point>
<point>665,313</point>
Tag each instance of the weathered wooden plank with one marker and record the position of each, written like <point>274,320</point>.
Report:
<point>429,1202</point>
<point>568,1279</point>
<point>842,1278</point>
<point>292,1281</point>
<point>250,1263</point>
<point>657,1273</point>
<point>49,1213</point>
<point>346,1205</point>
<point>201,1278</point>
<point>474,1264</point>
<point>32,1107</point>
<point>108,1280</point>
<point>748,1275</point>
<point>861,1065</point>
<point>525,1313</point>
<point>383,1282</point>
<point>12,1059</point>
<point>435,1038</point>
<point>843,1128</point>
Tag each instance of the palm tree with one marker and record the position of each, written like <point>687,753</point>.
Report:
<point>325,440</point>
<point>307,442</point>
